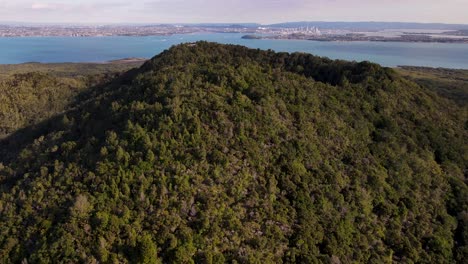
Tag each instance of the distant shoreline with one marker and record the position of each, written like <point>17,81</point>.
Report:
<point>117,61</point>
<point>416,38</point>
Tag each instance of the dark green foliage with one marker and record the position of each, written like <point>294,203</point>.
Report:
<point>27,98</point>
<point>212,153</point>
<point>31,97</point>
<point>449,83</point>
<point>70,70</point>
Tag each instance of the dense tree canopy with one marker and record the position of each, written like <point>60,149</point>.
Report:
<point>449,83</point>
<point>215,153</point>
<point>32,92</point>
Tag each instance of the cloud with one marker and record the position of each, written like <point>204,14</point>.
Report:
<point>47,6</point>
<point>263,11</point>
<point>80,7</point>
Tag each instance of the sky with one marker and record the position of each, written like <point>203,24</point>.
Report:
<point>231,11</point>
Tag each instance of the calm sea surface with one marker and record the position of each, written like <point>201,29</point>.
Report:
<point>100,49</point>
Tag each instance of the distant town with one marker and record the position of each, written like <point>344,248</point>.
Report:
<point>142,30</point>
<point>304,31</point>
<point>91,31</point>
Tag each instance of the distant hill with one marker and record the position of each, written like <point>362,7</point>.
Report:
<point>232,25</point>
<point>214,153</point>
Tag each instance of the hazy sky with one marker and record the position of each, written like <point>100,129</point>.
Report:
<point>262,11</point>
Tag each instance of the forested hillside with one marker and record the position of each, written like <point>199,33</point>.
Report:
<point>449,83</point>
<point>32,92</point>
<point>71,70</point>
<point>215,153</point>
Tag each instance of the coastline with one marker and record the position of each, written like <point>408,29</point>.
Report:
<point>354,38</point>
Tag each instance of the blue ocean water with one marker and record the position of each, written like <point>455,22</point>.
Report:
<point>100,49</point>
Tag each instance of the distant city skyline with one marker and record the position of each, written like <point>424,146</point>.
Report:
<point>232,11</point>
